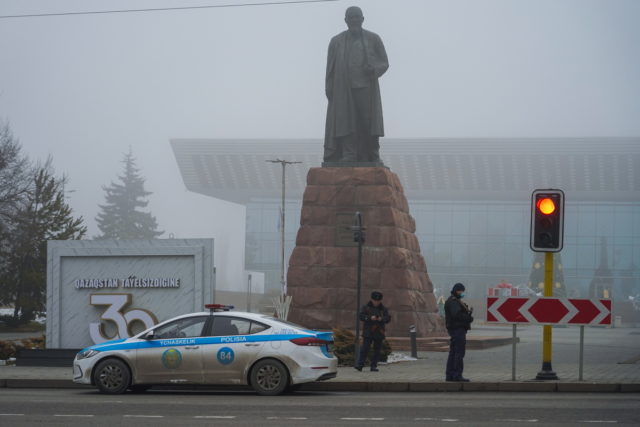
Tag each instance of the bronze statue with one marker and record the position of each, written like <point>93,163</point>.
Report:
<point>356,60</point>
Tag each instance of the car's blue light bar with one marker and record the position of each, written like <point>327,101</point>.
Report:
<point>218,307</point>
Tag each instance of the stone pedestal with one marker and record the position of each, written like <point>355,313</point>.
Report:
<point>322,271</point>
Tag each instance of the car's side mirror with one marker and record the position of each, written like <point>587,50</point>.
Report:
<point>149,335</point>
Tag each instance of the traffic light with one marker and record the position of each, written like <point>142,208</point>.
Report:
<point>547,220</point>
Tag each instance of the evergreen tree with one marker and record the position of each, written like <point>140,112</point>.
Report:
<point>536,277</point>
<point>601,285</point>
<point>120,217</point>
<point>43,215</point>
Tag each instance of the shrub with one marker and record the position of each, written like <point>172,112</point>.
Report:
<point>9,321</point>
<point>343,341</point>
<point>10,349</point>
<point>7,350</point>
<point>33,343</point>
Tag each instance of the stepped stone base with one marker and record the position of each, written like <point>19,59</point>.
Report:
<point>322,271</point>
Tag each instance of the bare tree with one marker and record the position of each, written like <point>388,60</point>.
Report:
<point>16,173</point>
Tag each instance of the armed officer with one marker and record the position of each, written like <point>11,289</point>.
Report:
<point>458,318</point>
<point>375,316</point>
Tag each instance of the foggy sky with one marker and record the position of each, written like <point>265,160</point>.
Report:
<point>86,88</point>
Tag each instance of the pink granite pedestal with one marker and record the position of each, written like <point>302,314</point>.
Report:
<point>322,268</point>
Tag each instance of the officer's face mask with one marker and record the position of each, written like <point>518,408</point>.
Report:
<point>461,295</point>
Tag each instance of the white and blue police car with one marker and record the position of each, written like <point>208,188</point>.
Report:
<point>218,347</point>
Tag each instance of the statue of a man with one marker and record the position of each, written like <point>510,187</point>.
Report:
<point>356,60</point>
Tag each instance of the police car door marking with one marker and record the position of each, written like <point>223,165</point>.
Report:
<point>226,355</point>
<point>172,358</point>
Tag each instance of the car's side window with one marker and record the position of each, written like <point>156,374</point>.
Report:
<point>258,327</point>
<point>226,325</point>
<point>181,328</point>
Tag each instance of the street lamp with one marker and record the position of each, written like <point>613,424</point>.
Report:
<point>284,163</point>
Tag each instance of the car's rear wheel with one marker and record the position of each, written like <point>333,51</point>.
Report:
<point>112,376</point>
<point>269,377</point>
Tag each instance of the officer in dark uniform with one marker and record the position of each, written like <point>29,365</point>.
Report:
<point>375,316</point>
<point>458,317</point>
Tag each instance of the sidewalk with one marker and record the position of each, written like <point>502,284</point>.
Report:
<point>611,364</point>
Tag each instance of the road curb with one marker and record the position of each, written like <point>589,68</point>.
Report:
<point>393,387</point>
<point>525,386</point>
<point>41,383</point>
<point>588,387</point>
<point>435,387</point>
<point>630,388</point>
<point>528,386</point>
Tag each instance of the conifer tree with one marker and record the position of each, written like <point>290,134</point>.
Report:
<point>536,277</point>
<point>120,217</point>
<point>43,215</point>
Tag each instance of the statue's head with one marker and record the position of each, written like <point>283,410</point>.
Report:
<point>354,18</point>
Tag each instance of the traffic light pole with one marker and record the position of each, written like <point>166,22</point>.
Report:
<point>547,372</point>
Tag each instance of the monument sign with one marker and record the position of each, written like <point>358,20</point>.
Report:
<point>99,290</point>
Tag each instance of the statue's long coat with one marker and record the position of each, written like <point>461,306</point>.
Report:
<point>340,111</point>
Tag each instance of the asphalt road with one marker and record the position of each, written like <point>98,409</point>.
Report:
<point>71,407</point>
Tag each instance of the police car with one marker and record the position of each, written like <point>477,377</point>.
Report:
<point>218,347</point>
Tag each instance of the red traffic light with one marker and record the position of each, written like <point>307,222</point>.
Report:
<point>546,206</point>
<point>547,220</point>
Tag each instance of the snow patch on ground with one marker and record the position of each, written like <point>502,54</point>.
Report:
<point>397,358</point>
<point>9,312</point>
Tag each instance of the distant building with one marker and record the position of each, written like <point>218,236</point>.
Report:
<point>470,199</point>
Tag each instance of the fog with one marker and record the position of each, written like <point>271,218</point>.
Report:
<point>85,88</point>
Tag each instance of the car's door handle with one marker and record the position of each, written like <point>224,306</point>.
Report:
<point>251,344</point>
<point>192,347</point>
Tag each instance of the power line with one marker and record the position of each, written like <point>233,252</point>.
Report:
<point>162,9</point>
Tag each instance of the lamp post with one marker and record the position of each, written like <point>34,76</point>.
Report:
<point>359,237</point>
<point>284,163</point>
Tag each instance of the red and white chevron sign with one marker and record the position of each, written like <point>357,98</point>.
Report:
<point>549,311</point>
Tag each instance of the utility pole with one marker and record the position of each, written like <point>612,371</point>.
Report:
<point>284,163</point>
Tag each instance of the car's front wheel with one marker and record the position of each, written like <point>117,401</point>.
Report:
<point>269,377</point>
<point>112,376</point>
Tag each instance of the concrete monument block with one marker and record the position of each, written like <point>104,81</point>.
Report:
<point>107,289</point>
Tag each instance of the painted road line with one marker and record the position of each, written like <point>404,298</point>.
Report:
<point>361,419</point>
<point>215,417</point>
<point>73,415</point>
<point>143,416</point>
<point>516,420</point>
<point>287,418</point>
<point>599,421</point>
<point>11,415</point>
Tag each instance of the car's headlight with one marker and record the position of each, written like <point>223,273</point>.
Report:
<point>87,353</point>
